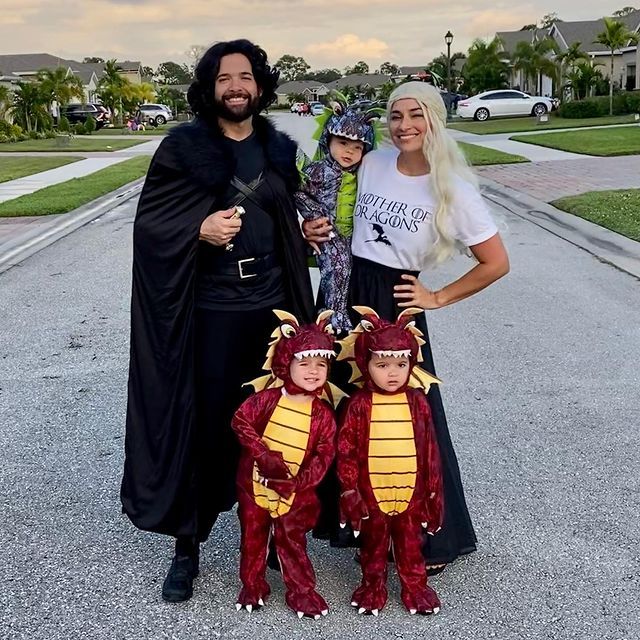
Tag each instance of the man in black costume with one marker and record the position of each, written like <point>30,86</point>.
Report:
<point>204,285</point>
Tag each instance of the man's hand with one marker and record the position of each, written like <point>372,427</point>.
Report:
<point>271,465</point>
<point>317,231</point>
<point>220,228</point>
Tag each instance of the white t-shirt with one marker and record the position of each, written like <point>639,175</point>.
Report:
<point>393,217</point>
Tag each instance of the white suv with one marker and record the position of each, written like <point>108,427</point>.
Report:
<point>155,114</point>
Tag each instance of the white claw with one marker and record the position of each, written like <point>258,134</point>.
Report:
<point>317,616</point>
<point>238,606</point>
<point>429,533</point>
<point>436,610</point>
<point>343,525</point>
<point>374,611</point>
<point>361,610</point>
<point>300,614</point>
<point>325,612</point>
<point>413,611</point>
<point>261,602</point>
<point>356,534</point>
<point>249,608</point>
<point>354,604</point>
<point>424,525</point>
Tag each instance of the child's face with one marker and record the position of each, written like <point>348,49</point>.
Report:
<point>309,373</point>
<point>388,372</point>
<point>345,152</point>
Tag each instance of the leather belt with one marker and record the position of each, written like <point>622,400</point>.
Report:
<point>246,267</point>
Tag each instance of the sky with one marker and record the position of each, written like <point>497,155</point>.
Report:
<point>405,32</point>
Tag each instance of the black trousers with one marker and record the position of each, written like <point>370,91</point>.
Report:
<point>231,348</point>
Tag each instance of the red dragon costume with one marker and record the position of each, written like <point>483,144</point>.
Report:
<point>287,447</point>
<point>389,465</point>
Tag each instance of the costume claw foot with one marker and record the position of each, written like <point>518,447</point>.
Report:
<point>310,604</point>
<point>425,601</point>
<point>251,599</point>
<point>369,599</point>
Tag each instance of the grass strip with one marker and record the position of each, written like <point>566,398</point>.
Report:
<point>617,210</point>
<point>479,156</point>
<point>62,143</point>
<point>66,196</point>
<point>14,168</point>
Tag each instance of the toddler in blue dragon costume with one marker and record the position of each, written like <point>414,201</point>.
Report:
<point>329,190</point>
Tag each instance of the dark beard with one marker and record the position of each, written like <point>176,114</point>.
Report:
<point>252,109</point>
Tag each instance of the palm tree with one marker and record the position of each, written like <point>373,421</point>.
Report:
<point>29,108</point>
<point>485,67</point>
<point>58,86</point>
<point>568,59</point>
<point>5,100</point>
<point>615,36</point>
<point>523,60</point>
<point>582,77</point>
<point>545,66</point>
<point>112,87</point>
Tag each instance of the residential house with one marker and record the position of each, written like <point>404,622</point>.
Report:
<point>312,90</point>
<point>626,65</point>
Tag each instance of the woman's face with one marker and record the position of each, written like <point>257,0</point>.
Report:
<point>407,125</point>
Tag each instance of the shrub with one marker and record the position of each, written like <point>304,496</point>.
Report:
<point>633,101</point>
<point>63,124</point>
<point>33,135</point>
<point>78,129</point>
<point>580,109</point>
<point>90,125</point>
<point>5,128</point>
<point>4,138</point>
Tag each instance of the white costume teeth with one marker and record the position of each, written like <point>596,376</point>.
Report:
<point>393,354</point>
<point>322,353</point>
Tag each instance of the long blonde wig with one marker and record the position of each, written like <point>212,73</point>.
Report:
<point>445,159</point>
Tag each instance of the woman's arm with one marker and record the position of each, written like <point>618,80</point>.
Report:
<point>493,263</point>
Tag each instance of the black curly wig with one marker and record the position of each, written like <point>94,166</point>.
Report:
<point>201,91</point>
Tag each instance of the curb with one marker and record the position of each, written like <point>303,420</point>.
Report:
<point>26,244</point>
<point>608,246</point>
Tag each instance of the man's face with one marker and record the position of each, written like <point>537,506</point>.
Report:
<point>236,91</point>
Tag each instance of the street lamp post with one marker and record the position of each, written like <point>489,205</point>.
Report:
<point>448,38</point>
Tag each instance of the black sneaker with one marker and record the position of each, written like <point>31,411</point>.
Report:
<point>178,585</point>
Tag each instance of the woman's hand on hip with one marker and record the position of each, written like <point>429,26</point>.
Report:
<point>220,228</point>
<point>415,294</point>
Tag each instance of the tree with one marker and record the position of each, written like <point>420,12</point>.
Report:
<point>29,108</point>
<point>323,75</point>
<point>195,52</point>
<point>111,88</point>
<point>5,100</point>
<point>146,72</point>
<point>583,77</point>
<point>439,66</point>
<point>296,97</point>
<point>172,98</point>
<point>625,11</point>
<point>568,59</point>
<point>133,95</point>
<point>359,67</point>
<point>291,67</point>
<point>615,36</point>
<point>93,60</point>
<point>173,73</point>
<point>548,20</point>
<point>57,85</point>
<point>485,69</point>
<point>389,69</point>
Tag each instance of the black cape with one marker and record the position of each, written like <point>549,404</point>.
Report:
<point>187,180</point>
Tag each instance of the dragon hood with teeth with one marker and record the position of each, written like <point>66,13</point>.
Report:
<point>290,341</point>
<point>376,335</point>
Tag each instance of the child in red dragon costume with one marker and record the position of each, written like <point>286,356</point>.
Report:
<point>287,434</point>
<point>388,460</point>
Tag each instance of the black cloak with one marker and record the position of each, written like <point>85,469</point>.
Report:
<point>187,180</point>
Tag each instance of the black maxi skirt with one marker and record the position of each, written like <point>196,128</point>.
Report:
<point>372,286</point>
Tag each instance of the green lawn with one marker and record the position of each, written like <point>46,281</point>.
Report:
<point>616,141</point>
<point>69,195</point>
<point>616,210</point>
<point>483,155</point>
<point>14,168</point>
<point>513,125</point>
<point>149,131</point>
<point>79,143</point>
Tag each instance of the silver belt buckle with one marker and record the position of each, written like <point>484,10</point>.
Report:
<point>244,276</point>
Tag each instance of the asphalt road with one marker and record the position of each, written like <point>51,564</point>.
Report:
<point>541,383</point>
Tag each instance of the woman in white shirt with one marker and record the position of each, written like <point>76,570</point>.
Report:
<point>418,205</point>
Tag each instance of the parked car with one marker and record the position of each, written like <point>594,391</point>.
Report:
<point>503,102</point>
<point>155,114</point>
<point>317,108</point>
<point>295,107</point>
<point>77,112</point>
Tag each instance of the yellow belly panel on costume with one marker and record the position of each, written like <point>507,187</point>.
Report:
<point>392,453</point>
<point>287,432</point>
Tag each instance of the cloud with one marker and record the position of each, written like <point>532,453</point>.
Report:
<point>486,23</point>
<point>349,46</point>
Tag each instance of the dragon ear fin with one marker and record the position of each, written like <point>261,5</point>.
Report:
<point>410,311</point>
<point>285,316</point>
<point>365,311</point>
<point>324,315</point>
